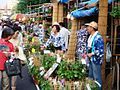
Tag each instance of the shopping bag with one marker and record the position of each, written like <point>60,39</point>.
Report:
<point>108,53</point>
<point>13,67</point>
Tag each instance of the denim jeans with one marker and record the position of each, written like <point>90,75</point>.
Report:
<point>95,72</point>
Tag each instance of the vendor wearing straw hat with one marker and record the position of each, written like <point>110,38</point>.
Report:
<point>95,52</point>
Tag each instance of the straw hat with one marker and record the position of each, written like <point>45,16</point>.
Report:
<point>92,24</point>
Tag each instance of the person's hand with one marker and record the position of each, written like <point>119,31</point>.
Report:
<point>16,49</point>
<point>42,47</point>
<point>89,55</point>
<point>84,56</point>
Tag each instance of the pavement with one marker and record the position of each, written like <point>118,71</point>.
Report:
<point>26,83</point>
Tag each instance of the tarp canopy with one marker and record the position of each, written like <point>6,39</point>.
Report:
<point>82,12</point>
<point>63,1</point>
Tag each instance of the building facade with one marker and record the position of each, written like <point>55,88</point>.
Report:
<point>6,6</point>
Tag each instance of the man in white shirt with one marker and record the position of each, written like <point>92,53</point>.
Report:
<point>65,33</point>
<point>0,28</point>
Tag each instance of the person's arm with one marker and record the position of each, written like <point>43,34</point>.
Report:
<point>62,43</point>
<point>48,41</point>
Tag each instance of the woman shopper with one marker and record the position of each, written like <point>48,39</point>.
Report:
<point>6,36</point>
<point>56,39</point>
<point>95,52</point>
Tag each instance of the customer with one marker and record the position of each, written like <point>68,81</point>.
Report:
<point>6,36</point>
<point>65,33</point>
<point>95,52</point>
<point>82,36</point>
<point>56,39</point>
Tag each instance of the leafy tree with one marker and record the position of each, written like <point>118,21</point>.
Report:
<point>22,5</point>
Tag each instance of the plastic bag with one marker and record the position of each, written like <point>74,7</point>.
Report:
<point>108,53</point>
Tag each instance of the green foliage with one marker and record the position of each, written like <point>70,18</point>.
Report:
<point>48,61</point>
<point>71,71</point>
<point>29,39</point>
<point>48,10</point>
<point>115,12</point>
<point>22,5</point>
<point>43,84</point>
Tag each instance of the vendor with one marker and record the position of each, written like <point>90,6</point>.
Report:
<point>56,39</point>
<point>95,52</point>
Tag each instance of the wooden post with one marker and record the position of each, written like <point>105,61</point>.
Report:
<point>55,12</point>
<point>60,13</point>
<point>72,43</point>
<point>102,28</point>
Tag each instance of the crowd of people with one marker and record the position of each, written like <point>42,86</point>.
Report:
<point>89,44</point>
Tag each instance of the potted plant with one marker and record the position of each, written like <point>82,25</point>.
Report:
<point>115,13</point>
<point>71,71</point>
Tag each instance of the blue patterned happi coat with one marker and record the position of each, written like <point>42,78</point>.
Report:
<point>97,49</point>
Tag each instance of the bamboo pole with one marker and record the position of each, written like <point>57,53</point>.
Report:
<point>60,13</point>
<point>55,12</point>
<point>72,43</point>
<point>102,28</point>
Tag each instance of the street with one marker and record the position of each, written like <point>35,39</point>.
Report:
<point>26,83</point>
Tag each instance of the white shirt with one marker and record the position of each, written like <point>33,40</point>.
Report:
<point>65,33</point>
<point>1,31</point>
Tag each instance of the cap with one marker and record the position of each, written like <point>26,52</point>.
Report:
<point>92,24</point>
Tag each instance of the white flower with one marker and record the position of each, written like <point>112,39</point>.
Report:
<point>83,70</point>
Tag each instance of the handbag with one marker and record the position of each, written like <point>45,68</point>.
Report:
<point>13,67</point>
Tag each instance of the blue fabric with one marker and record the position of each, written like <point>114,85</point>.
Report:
<point>79,13</point>
<point>63,1</point>
<point>94,1</point>
<point>82,35</point>
<point>98,49</point>
<point>110,1</point>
